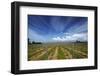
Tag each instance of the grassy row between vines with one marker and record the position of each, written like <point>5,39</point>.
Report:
<point>57,51</point>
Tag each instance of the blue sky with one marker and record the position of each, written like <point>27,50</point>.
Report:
<point>57,28</point>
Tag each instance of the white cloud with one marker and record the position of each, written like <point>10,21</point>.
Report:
<point>72,37</point>
<point>79,35</point>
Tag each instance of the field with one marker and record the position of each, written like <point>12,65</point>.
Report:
<point>56,51</point>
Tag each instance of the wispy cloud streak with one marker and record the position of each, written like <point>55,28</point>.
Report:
<point>57,28</point>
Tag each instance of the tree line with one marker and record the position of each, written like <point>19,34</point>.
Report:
<point>33,42</point>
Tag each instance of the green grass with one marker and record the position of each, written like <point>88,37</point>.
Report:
<point>61,54</point>
<point>44,57</point>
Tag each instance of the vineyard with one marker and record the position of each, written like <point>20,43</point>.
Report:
<point>57,51</point>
